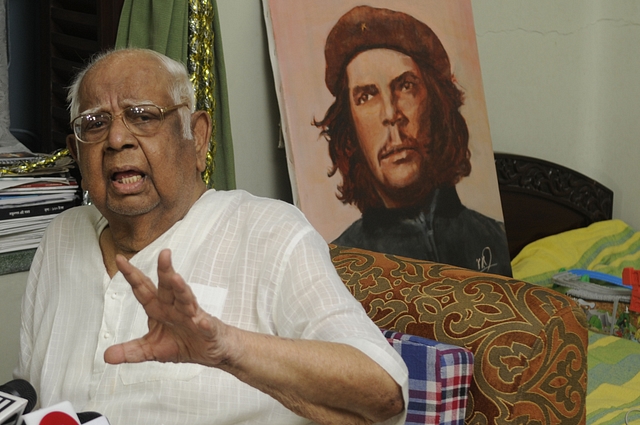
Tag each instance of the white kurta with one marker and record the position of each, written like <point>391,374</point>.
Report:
<point>253,262</point>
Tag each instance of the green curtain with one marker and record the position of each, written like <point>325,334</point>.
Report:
<point>224,172</point>
<point>164,26</point>
<point>161,25</point>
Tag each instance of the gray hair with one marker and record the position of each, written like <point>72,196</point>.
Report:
<point>181,89</point>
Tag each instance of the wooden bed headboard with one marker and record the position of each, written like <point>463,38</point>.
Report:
<point>540,198</point>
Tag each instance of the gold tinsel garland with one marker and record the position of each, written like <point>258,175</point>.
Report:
<point>201,69</point>
<point>29,166</point>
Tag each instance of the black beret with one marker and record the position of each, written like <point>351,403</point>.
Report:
<point>365,28</point>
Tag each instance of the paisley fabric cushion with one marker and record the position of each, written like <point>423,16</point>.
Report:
<point>529,342</point>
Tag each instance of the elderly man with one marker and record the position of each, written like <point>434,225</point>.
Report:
<point>244,320</point>
<point>401,145</point>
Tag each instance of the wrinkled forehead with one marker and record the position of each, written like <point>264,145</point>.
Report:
<point>125,78</point>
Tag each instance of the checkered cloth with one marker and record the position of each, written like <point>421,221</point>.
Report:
<point>439,378</point>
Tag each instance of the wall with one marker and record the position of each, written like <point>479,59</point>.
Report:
<point>561,84</point>
<point>13,286</point>
<point>260,165</point>
<point>559,78</point>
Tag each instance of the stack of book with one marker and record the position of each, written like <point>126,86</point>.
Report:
<point>30,200</point>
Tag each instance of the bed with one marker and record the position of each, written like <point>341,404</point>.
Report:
<point>540,198</point>
<point>557,219</point>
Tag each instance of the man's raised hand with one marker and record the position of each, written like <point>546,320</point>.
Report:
<point>179,330</point>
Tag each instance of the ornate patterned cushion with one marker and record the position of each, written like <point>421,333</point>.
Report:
<point>439,379</point>
<point>529,342</point>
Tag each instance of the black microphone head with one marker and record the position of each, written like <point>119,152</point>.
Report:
<point>87,416</point>
<point>23,389</point>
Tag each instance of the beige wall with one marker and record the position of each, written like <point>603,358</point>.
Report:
<point>12,287</point>
<point>560,82</point>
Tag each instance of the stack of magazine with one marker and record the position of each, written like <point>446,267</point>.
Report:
<point>30,200</point>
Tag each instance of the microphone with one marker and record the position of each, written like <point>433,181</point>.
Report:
<point>63,414</point>
<point>92,418</point>
<point>58,414</point>
<point>16,398</point>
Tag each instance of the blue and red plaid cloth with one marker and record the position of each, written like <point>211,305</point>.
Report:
<point>439,378</point>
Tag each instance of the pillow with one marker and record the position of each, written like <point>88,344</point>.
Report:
<point>439,378</point>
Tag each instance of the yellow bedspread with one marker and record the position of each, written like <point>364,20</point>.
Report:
<point>613,386</point>
<point>606,246</point>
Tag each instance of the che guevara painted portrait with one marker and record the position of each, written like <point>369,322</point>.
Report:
<point>386,129</point>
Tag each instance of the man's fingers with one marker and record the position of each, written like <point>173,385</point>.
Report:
<point>114,355</point>
<point>128,352</point>
<point>172,288</point>
<point>143,288</point>
<point>166,275</point>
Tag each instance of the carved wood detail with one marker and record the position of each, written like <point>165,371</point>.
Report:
<point>554,182</point>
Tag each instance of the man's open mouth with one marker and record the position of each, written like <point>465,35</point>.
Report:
<point>127,177</point>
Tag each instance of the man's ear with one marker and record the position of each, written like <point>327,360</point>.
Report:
<point>201,128</point>
<point>72,146</point>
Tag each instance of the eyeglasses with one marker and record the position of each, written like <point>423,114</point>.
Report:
<point>140,120</point>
